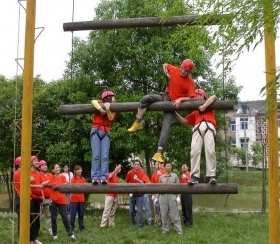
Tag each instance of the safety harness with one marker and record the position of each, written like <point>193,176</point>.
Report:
<point>98,128</point>
<point>208,128</point>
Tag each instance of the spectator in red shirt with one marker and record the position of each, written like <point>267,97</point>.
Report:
<point>159,168</point>
<point>77,200</point>
<point>43,167</point>
<point>100,137</point>
<point>136,175</point>
<point>59,203</point>
<point>186,198</point>
<point>180,88</point>
<point>111,200</point>
<point>204,132</point>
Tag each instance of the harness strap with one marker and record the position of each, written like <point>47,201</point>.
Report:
<point>208,128</point>
<point>96,132</point>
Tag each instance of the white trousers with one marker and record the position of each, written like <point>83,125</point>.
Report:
<point>109,211</point>
<point>203,135</point>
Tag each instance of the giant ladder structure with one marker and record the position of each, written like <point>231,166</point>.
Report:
<point>27,132</point>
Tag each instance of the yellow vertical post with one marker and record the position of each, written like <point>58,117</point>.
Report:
<point>26,131</point>
<point>270,63</point>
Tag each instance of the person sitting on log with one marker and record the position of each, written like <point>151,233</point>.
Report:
<point>100,137</point>
<point>204,131</point>
<point>181,88</point>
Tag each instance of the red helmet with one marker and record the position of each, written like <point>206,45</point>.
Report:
<point>18,161</point>
<point>107,94</point>
<point>200,92</point>
<point>187,65</point>
<point>33,158</point>
<point>42,162</point>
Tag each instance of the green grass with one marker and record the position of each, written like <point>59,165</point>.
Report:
<point>229,226</point>
<point>208,228</point>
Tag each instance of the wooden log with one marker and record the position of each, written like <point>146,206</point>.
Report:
<point>149,188</point>
<point>133,106</point>
<point>143,22</point>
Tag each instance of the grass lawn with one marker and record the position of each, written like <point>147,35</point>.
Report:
<point>229,227</point>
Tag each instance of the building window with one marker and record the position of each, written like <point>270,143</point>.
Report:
<point>233,142</point>
<point>244,123</point>
<point>278,120</point>
<point>243,143</point>
<point>233,126</point>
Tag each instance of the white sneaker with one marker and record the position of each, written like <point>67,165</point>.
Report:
<point>55,237</point>
<point>73,237</point>
<point>36,242</point>
<point>50,231</point>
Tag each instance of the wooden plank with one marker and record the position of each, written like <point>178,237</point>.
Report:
<point>133,107</point>
<point>143,22</point>
<point>201,188</point>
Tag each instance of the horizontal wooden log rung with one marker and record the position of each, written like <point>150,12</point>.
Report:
<point>143,22</point>
<point>201,188</point>
<point>133,107</point>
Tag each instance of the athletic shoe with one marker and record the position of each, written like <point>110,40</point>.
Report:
<point>55,237</point>
<point>164,232</point>
<point>180,233</point>
<point>50,231</point>
<point>136,126</point>
<point>36,242</point>
<point>104,182</point>
<point>95,182</point>
<point>158,157</point>
<point>193,181</point>
<point>73,237</point>
<point>212,181</point>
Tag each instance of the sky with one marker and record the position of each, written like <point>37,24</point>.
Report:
<point>53,45</point>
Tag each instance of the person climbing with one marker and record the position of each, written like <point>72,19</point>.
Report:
<point>180,88</point>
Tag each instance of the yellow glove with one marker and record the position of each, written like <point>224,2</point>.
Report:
<point>96,104</point>
<point>110,115</point>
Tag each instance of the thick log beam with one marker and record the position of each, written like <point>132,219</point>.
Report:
<point>149,188</point>
<point>142,22</point>
<point>133,106</point>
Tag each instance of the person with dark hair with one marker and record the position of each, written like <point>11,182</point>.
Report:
<point>100,137</point>
<point>204,132</point>
<point>77,200</point>
<point>186,198</point>
<point>59,203</point>
<point>169,202</point>
<point>136,175</point>
<point>179,89</point>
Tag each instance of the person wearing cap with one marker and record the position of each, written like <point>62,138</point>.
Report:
<point>16,184</point>
<point>43,167</point>
<point>204,131</point>
<point>186,198</point>
<point>37,186</point>
<point>100,137</point>
<point>180,88</point>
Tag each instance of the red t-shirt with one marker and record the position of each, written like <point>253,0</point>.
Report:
<point>36,193</point>
<point>17,181</point>
<point>140,174</point>
<point>156,176</point>
<point>77,197</point>
<point>179,86</point>
<point>101,121</point>
<point>185,180</point>
<point>56,195</point>
<point>196,117</point>
<point>112,180</point>
<point>47,189</point>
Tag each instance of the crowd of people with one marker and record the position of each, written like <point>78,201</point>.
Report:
<point>180,88</point>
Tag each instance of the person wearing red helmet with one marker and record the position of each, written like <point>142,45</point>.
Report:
<point>100,137</point>
<point>43,167</point>
<point>16,185</point>
<point>180,88</point>
<point>204,131</point>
